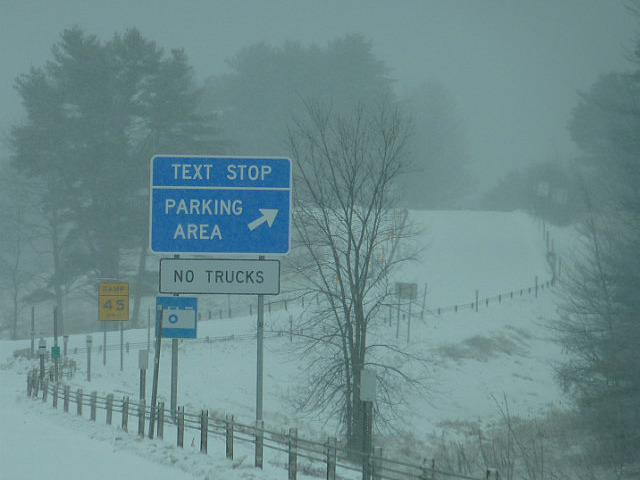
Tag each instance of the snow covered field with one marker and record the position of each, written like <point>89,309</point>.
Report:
<point>476,360</point>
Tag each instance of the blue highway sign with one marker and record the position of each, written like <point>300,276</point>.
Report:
<point>220,205</point>
<point>179,316</point>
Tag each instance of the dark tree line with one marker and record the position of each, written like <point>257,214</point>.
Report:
<point>601,325</point>
<point>96,113</point>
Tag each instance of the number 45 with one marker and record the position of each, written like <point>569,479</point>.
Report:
<point>119,305</point>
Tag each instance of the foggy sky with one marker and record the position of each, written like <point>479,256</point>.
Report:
<point>513,66</point>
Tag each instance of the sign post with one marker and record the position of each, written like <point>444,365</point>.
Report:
<point>180,321</point>
<point>156,367</point>
<point>260,356</point>
<point>42,352</point>
<point>113,306</point>
<point>223,205</point>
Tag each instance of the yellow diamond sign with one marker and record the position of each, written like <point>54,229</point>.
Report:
<point>113,301</point>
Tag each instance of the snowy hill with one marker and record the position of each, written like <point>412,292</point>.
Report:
<point>475,361</point>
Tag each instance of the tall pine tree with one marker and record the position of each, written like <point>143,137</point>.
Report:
<point>96,113</point>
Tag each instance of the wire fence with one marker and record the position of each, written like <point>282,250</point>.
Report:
<point>406,309</point>
<point>284,448</point>
<point>308,299</point>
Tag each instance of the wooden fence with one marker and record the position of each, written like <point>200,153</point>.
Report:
<point>320,459</point>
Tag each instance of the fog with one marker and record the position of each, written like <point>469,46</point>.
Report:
<point>430,152</point>
<point>513,68</point>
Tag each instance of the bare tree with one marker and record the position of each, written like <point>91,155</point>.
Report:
<point>349,231</point>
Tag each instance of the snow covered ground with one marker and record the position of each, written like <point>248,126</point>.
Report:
<point>476,360</point>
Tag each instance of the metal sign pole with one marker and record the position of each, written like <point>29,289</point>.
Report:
<point>149,329</point>
<point>174,377</point>
<point>121,346</point>
<point>143,363</point>
<point>259,354</point>
<point>156,366</point>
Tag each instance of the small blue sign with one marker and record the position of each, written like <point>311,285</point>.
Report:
<point>179,316</point>
<point>220,205</point>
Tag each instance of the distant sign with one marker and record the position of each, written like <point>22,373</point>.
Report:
<point>367,385</point>
<point>113,301</point>
<point>220,205</point>
<point>233,276</point>
<point>179,316</point>
<point>407,291</point>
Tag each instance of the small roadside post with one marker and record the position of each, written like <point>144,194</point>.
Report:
<point>55,350</point>
<point>42,352</point>
<point>89,343</point>
<point>367,397</point>
<point>143,363</point>
<point>33,331</point>
<point>55,356</point>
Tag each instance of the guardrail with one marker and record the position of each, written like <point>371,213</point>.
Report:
<point>321,459</point>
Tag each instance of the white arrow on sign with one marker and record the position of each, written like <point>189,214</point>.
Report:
<point>268,215</point>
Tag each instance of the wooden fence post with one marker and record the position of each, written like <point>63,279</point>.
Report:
<point>125,414</point>
<point>141,417</point>
<point>56,389</point>
<point>79,401</point>
<point>424,470</point>
<point>493,474</point>
<point>331,458</point>
<point>160,416</point>
<point>259,460</point>
<point>204,430</point>
<point>109,408</point>
<point>29,384</point>
<point>38,384</point>
<point>67,394</point>
<point>229,436</point>
<point>376,463</point>
<point>35,383</point>
<point>180,426</point>
<point>293,453</point>
<point>94,405</point>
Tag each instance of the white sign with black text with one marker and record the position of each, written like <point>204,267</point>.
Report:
<point>231,276</point>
